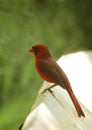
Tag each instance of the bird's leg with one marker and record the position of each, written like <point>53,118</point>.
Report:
<point>49,89</point>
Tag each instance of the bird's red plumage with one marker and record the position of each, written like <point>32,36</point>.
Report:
<point>50,71</point>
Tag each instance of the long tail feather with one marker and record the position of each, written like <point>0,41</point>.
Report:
<point>76,103</point>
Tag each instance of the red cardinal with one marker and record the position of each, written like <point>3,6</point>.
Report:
<point>50,71</point>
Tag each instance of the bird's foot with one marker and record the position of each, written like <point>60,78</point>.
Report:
<point>49,89</point>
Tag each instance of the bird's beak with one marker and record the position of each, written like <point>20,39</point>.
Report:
<point>31,50</point>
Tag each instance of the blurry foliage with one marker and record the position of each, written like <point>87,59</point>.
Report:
<point>64,25</point>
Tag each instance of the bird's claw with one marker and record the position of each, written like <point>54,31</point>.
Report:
<point>49,89</point>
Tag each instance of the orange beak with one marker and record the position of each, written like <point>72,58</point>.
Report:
<point>31,50</point>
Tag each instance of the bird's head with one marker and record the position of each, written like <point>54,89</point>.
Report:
<point>40,51</point>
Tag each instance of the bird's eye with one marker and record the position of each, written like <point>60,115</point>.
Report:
<point>35,50</point>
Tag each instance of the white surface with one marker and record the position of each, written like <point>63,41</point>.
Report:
<point>55,111</point>
<point>78,67</point>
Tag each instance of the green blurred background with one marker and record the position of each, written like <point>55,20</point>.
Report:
<point>64,25</point>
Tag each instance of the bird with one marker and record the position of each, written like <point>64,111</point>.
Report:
<point>51,72</point>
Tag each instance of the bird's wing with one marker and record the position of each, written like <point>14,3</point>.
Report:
<point>52,70</point>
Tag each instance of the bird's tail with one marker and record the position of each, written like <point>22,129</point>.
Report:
<point>76,103</point>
